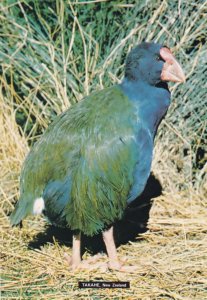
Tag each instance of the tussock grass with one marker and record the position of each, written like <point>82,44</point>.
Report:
<point>54,53</point>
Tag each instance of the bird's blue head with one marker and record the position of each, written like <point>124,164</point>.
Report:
<point>152,63</point>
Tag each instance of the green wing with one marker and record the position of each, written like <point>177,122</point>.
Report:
<point>92,147</point>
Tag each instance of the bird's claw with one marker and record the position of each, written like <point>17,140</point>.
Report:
<point>119,266</point>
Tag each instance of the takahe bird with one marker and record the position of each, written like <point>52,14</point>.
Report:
<point>95,158</point>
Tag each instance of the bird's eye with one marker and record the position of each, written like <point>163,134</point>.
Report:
<point>158,58</point>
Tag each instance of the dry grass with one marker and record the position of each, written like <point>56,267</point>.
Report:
<point>41,80</point>
<point>171,259</point>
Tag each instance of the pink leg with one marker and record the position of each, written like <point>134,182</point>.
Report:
<point>76,251</point>
<point>114,262</point>
<point>75,260</point>
<point>111,249</point>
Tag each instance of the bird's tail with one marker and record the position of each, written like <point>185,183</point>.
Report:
<point>19,213</point>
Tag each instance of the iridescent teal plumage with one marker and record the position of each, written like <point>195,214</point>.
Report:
<point>94,158</point>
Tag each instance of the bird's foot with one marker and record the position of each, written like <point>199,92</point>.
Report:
<point>73,263</point>
<point>118,265</point>
<point>92,263</point>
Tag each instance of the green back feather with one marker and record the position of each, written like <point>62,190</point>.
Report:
<point>93,144</point>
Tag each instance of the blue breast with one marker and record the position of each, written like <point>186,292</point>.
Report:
<point>150,106</point>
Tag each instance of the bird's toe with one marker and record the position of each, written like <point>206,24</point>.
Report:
<point>67,258</point>
<point>119,266</point>
<point>128,269</point>
<point>73,265</point>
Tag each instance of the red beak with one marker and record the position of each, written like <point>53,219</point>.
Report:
<point>172,70</point>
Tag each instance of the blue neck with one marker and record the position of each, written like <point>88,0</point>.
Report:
<point>150,102</point>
